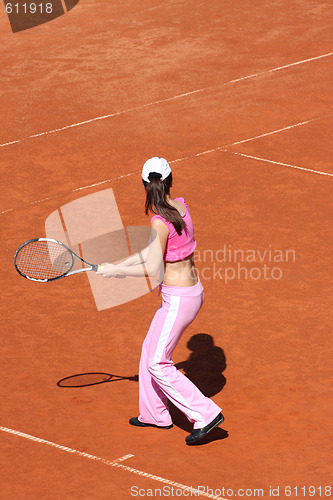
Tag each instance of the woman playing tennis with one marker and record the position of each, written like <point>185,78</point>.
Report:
<point>172,244</point>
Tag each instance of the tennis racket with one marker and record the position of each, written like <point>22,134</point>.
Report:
<point>45,259</point>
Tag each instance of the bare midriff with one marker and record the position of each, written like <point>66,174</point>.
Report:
<point>181,272</point>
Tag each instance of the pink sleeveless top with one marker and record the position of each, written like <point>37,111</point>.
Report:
<point>179,246</point>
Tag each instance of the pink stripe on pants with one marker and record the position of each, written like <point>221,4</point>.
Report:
<point>159,379</point>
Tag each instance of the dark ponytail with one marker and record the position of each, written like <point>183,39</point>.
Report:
<point>156,192</point>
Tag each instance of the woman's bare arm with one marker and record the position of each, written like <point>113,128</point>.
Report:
<point>153,262</point>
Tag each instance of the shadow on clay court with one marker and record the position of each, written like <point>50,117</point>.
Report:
<point>92,378</point>
<point>204,367</point>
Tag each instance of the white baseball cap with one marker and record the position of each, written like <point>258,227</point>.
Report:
<point>158,165</point>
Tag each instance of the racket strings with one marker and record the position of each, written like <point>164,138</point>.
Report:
<point>44,260</point>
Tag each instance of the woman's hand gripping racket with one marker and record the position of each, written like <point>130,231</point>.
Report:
<point>45,259</point>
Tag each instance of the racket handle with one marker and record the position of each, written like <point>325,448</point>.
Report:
<point>99,268</point>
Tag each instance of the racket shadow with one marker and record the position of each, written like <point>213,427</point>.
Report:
<point>92,378</point>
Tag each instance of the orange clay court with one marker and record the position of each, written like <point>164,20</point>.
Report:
<point>236,96</point>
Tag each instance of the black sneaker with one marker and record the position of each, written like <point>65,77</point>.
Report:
<point>135,421</point>
<point>198,434</point>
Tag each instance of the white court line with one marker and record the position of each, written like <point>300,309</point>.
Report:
<point>225,148</point>
<point>112,463</point>
<point>281,67</point>
<point>280,163</point>
<point>142,106</point>
<point>72,191</point>
<point>219,148</point>
<point>299,124</point>
<point>64,448</point>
